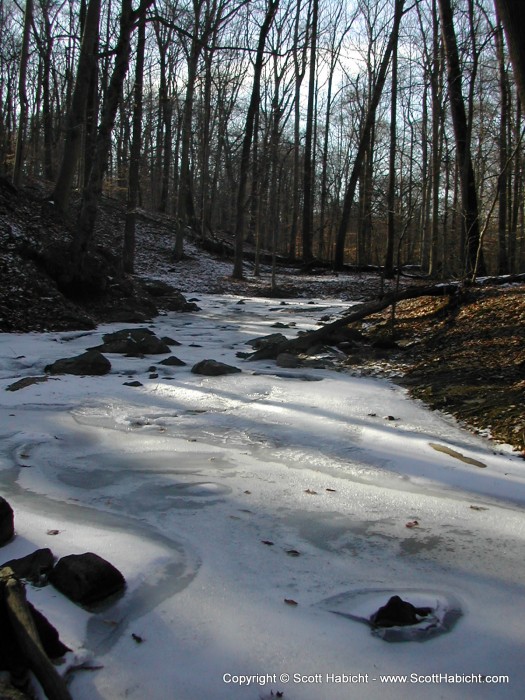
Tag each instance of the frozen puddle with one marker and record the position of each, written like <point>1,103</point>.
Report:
<point>360,606</point>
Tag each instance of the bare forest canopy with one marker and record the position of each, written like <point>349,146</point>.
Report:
<point>384,132</point>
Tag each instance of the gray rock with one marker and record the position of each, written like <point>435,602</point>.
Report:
<point>7,522</point>
<point>86,578</point>
<point>91,362</point>
<point>213,368</point>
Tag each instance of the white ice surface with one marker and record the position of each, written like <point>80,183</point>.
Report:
<point>178,482</point>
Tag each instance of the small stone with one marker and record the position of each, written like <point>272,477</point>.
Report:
<point>213,368</point>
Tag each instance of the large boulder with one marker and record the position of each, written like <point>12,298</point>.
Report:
<point>7,522</point>
<point>91,363</point>
<point>133,342</point>
<point>86,578</point>
<point>213,368</point>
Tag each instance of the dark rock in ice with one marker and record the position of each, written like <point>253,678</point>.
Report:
<point>91,363</point>
<point>86,578</point>
<point>213,368</point>
<point>133,342</point>
<point>398,612</point>
<point>172,361</point>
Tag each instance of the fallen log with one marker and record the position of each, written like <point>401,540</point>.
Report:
<point>357,313</point>
<point>26,635</point>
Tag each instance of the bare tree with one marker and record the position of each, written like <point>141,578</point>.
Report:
<point>22,94</point>
<point>469,195</point>
<point>271,9</point>
<point>75,119</point>
<point>364,138</point>
<point>512,13</point>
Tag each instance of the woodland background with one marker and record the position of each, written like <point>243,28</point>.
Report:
<point>368,132</point>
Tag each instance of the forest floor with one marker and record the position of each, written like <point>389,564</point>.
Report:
<point>466,358</point>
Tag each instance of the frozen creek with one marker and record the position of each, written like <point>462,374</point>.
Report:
<point>184,482</point>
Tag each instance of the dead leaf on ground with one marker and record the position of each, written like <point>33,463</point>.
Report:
<point>290,601</point>
<point>311,492</point>
<point>412,523</point>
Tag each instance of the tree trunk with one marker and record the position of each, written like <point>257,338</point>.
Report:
<point>469,196</point>
<point>512,14</point>
<point>391,196</point>
<point>247,140</point>
<point>364,138</point>
<point>357,313</point>
<point>308,166</point>
<point>75,119</point>
<point>93,189</point>
<point>128,252</point>
<point>22,94</point>
<point>503,263</point>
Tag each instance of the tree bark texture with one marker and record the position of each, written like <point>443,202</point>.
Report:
<point>467,178</point>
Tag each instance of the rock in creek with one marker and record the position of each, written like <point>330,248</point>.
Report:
<point>213,368</point>
<point>91,363</point>
<point>86,578</point>
<point>133,342</point>
<point>398,613</point>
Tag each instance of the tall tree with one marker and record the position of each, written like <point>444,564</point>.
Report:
<point>473,257</point>
<point>77,111</point>
<point>512,14</point>
<point>93,188</point>
<point>365,138</point>
<point>391,195</point>
<point>22,93</point>
<point>271,10</point>
<point>308,166</point>
<point>128,253</point>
